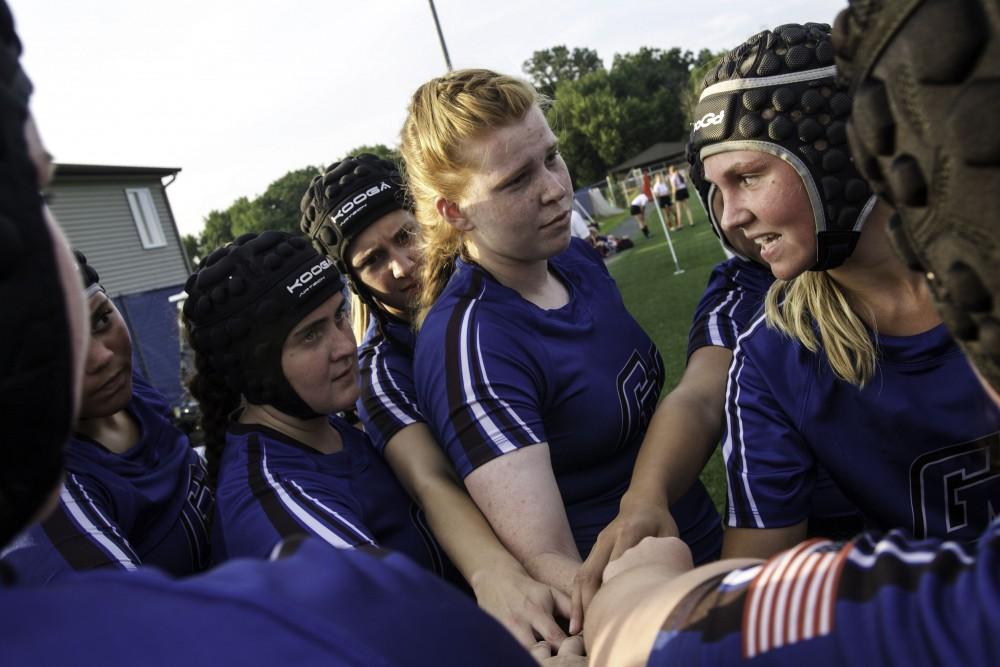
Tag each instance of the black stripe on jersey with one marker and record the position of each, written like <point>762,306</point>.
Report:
<point>463,421</point>
<point>862,583</point>
<point>280,518</point>
<point>500,415</point>
<point>374,403</point>
<point>324,515</point>
<point>74,544</point>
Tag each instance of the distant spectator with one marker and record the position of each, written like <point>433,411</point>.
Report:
<point>638,211</point>
<point>679,186</point>
<point>662,192</point>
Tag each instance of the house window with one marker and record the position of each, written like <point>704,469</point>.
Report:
<point>147,222</point>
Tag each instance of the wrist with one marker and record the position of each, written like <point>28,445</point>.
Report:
<point>500,565</point>
<point>638,497</point>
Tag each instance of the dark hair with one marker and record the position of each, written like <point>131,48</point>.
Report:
<point>36,355</point>
<point>217,402</point>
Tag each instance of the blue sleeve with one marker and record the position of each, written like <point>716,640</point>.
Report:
<point>315,606</point>
<point>479,384</point>
<point>884,601</point>
<point>265,496</point>
<point>713,323</point>
<point>80,534</point>
<point>388,401</point>
<point>770,468</point>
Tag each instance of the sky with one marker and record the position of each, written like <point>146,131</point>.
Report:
<point>237,93</point>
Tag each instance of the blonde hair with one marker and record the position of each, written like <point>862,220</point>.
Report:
<point>359,317</point>
<point>443,114</point>
<point>814,299</point>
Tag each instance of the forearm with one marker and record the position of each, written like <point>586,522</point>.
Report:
<point>553,568</point>
<point>676,448</point>
<point>627,613</point>
<point>458,525</point>
<point>461,529</point>
<point>519,496</point>
<point>683,432</point>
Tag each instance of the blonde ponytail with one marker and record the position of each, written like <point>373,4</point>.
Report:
<point>815,299</point>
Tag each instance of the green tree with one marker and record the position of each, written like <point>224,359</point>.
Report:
<point>604,117</point>
<point>587,119</point>
<point>278,207</point>
<point>217,232</point>
<point>190,244</point>
<point>704,62</point>
<point>550,67</point>
<point>380,150</point>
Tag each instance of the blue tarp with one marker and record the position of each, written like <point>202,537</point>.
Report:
<point>152,323</point>
<point>582,197</point>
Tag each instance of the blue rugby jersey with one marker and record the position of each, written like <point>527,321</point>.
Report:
<point>494,373</point>
<point>388,401</point>
<point>149,505</point>
<point>317,606</point>
<point>731,301</point>
<point>272,487</point>
<point>889,601</point>
<point>914,449</point>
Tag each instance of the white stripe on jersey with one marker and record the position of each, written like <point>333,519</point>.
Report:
<point>381,394</point>
<point>887,548</point>
<point>793,598</point>
<point>505,404</point>
<point>492,431</point>
<point>126,560</point>
<point>714,336</point>
<point>335,514</point>
<point>727,445</point>
<point>321,530</point>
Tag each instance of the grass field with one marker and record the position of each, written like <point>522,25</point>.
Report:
<point>664,303</point>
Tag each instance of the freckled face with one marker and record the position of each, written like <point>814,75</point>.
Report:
<point>384,260</point>
<point>319,358</point>
<point>765,201</point>
<point>518,194</point>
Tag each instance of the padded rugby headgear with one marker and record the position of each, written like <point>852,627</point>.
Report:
<point>36,354</point>
<point>924,130</point>
<point>243,302</point>
<point>777,93</point>
<point>342,202</point>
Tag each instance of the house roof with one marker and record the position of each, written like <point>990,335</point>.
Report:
<point>664,151</point>
<point>111,170</point>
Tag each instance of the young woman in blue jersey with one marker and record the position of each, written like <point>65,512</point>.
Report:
<point>135,489</point>
<point>888,601</point>
<point>372,245</point>
<point>847,368</point>
<point>533,376</point>
<point>316,605</point>
<point>689,421</point>
<point>275,358</point>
